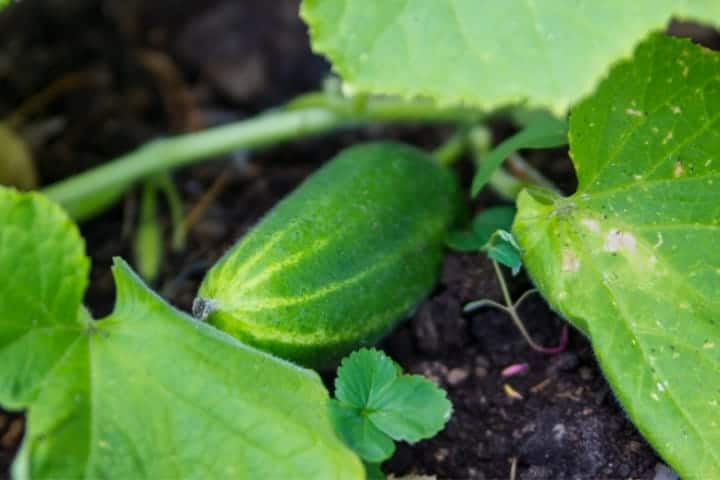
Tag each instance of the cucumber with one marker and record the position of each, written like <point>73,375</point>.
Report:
<point>338,262</point>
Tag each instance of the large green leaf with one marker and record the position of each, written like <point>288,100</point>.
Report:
<point>485,53</point>
<point>147,392</point>
<point>44,272</point>
<point>632,258</point>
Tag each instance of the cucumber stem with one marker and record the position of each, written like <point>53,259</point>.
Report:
<point>88,193</point>
<point>502,182</point>
<point>454,148</point>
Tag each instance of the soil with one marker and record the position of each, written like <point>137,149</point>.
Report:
<point>135,71</point>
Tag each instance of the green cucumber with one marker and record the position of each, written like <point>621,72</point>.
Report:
<point>337,263</point>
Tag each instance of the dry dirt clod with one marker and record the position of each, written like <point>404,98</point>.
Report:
<point>457,376</point>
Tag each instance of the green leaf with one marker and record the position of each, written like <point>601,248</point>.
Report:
<point>487,54</point>
<point>631,258</point>
<point>147,392</point>
<point>151,393</point>
<point>404,407</point>
<point>545,133</point>
<point>44,271</point>
<point>363,375</point>
<point>373,471</point>
<point>503,248</point>
<point>463,241</point>
<point>412,409</point>
<point>484,225</point>
<point>359,433</point>
<point>491,220</point>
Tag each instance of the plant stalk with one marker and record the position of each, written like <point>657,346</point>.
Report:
<point>86,194</point>
<point>511,309</point>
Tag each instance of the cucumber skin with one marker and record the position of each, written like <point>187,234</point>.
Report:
<point>338,262</point>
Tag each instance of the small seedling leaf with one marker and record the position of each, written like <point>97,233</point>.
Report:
<point>545,132</point>
<point>403,407</point>
<point>412,409</point>
<point>363,375</point>
<point>487,54</point>
<point>484,225</point>
<point>464,241</point>
<point>631,258</point>
<point>491,220</point>
<point>503,248</point>
<point>359,433</point>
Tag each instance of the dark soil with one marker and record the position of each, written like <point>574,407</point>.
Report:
<point>166,67</point>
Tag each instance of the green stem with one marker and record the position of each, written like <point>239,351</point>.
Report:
<point>386,109</point>
<point>166,184</point>
<point>511,308</point>
<point>524,169</point>
<point>88,193</point>
<point>504,184</point>
<point>450,151</point>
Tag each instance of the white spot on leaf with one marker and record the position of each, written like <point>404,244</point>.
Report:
<point>634,113</point>
<point>570,262</point>
<point>617,240</point>
<point>659,241</point>
<point>591,224</point>
<point>678,170</point>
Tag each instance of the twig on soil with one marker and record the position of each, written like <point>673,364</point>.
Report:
<point>513,468</point>
<point>208,198</point>
<point>66,83</point>
<point>541,386</point>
